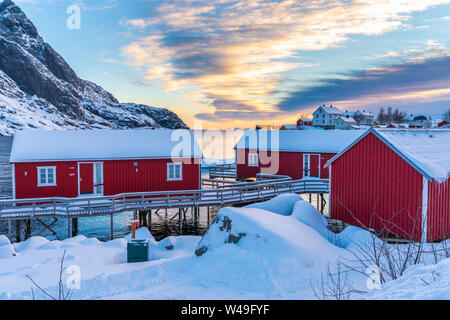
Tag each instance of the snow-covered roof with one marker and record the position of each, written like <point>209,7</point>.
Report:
<point>290,126</point>
<point>324,141</point>
<point>348,120</point>
<point>330,110</point>
<point>428,151</point>
<point>40,145</point>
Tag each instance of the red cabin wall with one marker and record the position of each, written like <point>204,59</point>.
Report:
<point>282,163</point>
<point>119,176</point>
<point>438,221</point>
<point>26,180</point>
<point>373,187</point>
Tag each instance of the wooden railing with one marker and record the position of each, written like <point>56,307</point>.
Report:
<point>223,171</point>
<point>226,194</point>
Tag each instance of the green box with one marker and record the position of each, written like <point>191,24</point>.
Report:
<point>137,251</point>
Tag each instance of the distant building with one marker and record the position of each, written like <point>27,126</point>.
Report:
<point>304,122</point>
<point>419,121</point>
<point>289,127</point>
<point>443,124</point>
<point>365,118</point>
<point>344,123</point>
<point>326,117</point>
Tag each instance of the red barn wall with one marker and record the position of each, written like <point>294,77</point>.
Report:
<point>119,176</point>
<point>282,163</point>
<point>371,186</point>
<point>26,180</point>
<point>438,210</point>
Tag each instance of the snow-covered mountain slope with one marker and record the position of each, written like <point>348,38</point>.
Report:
<point>38,89</point>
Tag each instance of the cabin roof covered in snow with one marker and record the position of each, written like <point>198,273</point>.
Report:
<point>321,141</point>
<point>40,145</point>
<point>428,151</point>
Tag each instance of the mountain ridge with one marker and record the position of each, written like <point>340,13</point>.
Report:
<point>39,89</point>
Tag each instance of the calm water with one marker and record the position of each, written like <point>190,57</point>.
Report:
<point>99,227</point>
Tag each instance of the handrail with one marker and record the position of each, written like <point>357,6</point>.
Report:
<point>228,194</point>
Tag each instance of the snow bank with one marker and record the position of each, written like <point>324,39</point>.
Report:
<point>430,282</point>
<point>6,249</point>
<point>282,240</point>
<point>282,204</point>
<point>305,212</point>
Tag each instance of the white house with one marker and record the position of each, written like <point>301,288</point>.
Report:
<point>344,123</point>
<point>326,117</point>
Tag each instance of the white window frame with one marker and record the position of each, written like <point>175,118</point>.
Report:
<point>174,164</point>
<point>46,184</point>
<point>253,160</point>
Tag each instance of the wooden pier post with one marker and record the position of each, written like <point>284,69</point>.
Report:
<point>149,220</point>
<point>68,227</point>
<point>195,217</point>
<point>310,198</point>
<point>180,222</point>
<point>207,213</point>
<point>27,229</point>
<point>18,230</point>
<point>74,227</point>
<point>9,231</point>
<point>112,226</point>
<point>318,206</point>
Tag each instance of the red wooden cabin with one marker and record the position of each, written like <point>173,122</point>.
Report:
<point>103,162</point>
<point>443,124</point>
<point>295,153</point>
<point>394,181</point>
<point>304,122</point>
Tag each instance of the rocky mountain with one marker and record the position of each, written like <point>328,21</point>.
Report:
<point>38,89</point>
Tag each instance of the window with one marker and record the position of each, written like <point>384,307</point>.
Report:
<point>174,171</point>
<point>46,176</point>
<point>99,178</point>
<point>253,160</point>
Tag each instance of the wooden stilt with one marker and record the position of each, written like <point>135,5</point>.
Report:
<point>149,220</point>
<point>17,230</point>
<point>317,200</point>
<point>180,222</point>
<point>9,231</point>
<point>207,213</point>
<point>310,198</point>
<point>74,227</point>
<point>195,217</point>
<point>27,229</point>
<point>112,227</point>
<point>68,227</point>
<point>166,212</point>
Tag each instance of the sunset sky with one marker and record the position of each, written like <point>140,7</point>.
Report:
<point>235,63</point>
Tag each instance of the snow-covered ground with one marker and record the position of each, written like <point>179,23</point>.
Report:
<point>279,249</point>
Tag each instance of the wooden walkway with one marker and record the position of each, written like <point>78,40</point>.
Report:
<point>221,195</point>
<point>215,193</point>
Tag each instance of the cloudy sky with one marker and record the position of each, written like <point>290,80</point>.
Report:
<point>234,63</point>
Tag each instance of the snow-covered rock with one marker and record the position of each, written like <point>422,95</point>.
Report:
<point>305,212</point>
<point>282,204</point>
<point>281,239</point>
